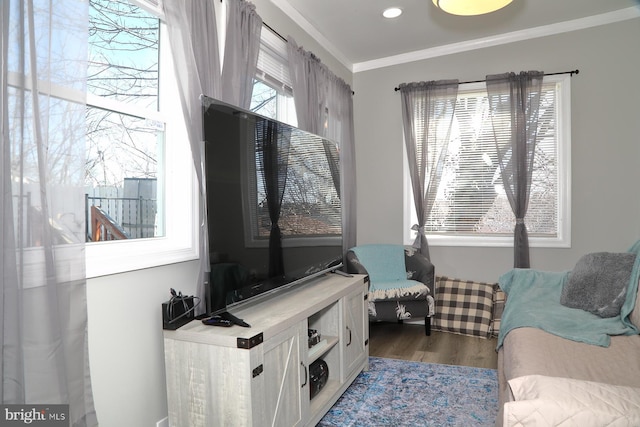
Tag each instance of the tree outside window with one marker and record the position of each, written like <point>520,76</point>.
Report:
<point>471,205</point>
<point>125,132</point>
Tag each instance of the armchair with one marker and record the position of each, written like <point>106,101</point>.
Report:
<point>401,282</point>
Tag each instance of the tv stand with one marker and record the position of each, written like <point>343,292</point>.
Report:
<point>233,319</point>
<point>259,375</point>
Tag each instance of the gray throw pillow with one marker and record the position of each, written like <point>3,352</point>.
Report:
<point>598,283</point>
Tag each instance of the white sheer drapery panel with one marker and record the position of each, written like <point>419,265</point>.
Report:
<point>45,357</point>
<point>324,106</point>
<point>242,45</point>
<point>194,44</point>
<point>12,361</point>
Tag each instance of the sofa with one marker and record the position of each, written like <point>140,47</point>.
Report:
<point>562,361</point>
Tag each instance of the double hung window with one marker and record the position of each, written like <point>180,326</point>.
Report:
<point>125,131</point>
<point>471,208</point>
<point>138,156</point>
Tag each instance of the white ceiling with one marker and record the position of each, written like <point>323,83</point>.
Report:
<point>355,32</point>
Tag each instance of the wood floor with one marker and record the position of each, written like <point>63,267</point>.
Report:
<point>409,342</point>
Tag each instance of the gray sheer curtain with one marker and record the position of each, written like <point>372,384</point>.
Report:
<point>193,38</point>
<point>310,79</point>
<point>272,145</point>
<point>427,115</point>
<point>514,102</point>
<point>324,106</point>
<point>43,315</point>
<point>242,45</point>
<point>340,128</point>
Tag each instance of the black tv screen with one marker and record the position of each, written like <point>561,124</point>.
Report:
<point>273,205</point>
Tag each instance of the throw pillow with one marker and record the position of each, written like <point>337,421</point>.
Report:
<point>499,300</point>
<point>598,283</point>
<point>463,307</point>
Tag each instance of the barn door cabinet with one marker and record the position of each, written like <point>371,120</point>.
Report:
<point>259,376</point>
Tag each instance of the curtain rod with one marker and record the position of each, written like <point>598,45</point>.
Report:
<point>274,31</point>
<point>546,74</point>
<point>284,39</point>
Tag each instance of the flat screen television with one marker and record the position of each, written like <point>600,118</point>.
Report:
<point>273,205</point>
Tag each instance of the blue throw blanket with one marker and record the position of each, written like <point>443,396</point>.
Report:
<point>533,300</point>
<point>387,271</point>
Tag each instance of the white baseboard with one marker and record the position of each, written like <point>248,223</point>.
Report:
<point>163,422</point>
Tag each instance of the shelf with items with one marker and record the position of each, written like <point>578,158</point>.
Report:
<point>318,350</point>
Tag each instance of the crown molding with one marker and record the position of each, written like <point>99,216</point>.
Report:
<point>500,39</point>
<point>302,22</point>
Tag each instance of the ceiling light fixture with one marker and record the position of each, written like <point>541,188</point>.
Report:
<point>392,12</point>
<point>470,7</point>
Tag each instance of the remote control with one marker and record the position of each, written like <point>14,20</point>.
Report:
<point>217,321</point>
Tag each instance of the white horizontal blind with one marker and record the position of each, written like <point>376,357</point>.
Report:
<point>471,198</point>
<point>310,187</point>
<point>273,61</point>
<point>310,205</point>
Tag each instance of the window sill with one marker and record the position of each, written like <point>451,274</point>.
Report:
<point>120,256</point>
<point>493,242</point>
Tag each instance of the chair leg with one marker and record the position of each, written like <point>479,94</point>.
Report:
<point>427,325</point>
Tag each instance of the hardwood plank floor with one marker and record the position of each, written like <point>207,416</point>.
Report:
<point>408,342</point>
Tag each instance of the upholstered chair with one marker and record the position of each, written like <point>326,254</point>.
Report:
<point>401,282</point>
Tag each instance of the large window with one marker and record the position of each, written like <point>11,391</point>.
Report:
<point>138,157</point>
<point>471,207</point>
<point>125,132</point>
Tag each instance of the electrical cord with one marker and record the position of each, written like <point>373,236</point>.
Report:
<point>177,298</point>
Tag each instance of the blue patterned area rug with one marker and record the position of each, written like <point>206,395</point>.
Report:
<point>401,393</point>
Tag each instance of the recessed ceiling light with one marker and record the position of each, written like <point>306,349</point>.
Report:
<point>392,12</point>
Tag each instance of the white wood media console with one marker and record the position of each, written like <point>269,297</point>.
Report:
<point>259,376</point>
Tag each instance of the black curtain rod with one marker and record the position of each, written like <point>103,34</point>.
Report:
<point>284,39</point>
<point>484,80</point>
<point>274,31</point>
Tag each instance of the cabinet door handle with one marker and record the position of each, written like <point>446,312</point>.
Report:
<point>306,377</point>
<point>349,343</point>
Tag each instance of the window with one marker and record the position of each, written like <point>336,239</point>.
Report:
<point>471,208</point>
<point>138,156</point>
<point>272,93</point>
<point>125,132</point>
<point>310,185</point>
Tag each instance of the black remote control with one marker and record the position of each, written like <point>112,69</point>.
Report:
<point>217,321</point>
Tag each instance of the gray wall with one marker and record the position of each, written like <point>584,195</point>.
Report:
<point>605,143</point>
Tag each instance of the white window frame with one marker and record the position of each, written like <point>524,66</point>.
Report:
<point>563,237</point>
<point>181,237</point>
